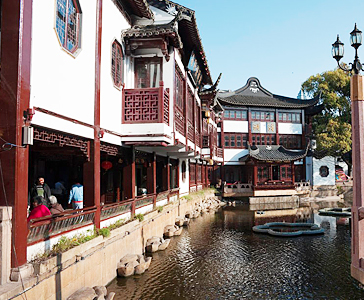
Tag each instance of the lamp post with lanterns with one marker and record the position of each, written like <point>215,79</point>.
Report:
<point>357,123</point>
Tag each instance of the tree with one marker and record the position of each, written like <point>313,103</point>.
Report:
<point>332,126</point>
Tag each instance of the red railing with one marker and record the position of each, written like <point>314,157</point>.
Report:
<point>116,209</point>
<point>141,201</point>
<point>166,106</point>
<point>219,152</point>
<point>274,185</point>
<point>148,105</point>
<point>50,226</point>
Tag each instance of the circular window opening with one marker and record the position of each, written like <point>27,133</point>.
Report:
<point>324,171</point>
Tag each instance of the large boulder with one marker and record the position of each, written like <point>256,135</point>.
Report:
<point>164,245</point>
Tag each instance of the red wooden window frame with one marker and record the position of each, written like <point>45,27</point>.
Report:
<point>291,141</point>
<point>289,117</point>
<point>147,61</point>
<point>236,114</point>
<point>71,31</point>
<point>192,173</point>
<point>179,90</point>
<point>116,63</point>
<point>268,116</point>
<point>231,140</point>
<point>263,139</point>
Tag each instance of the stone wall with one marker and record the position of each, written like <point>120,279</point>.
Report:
<point>5,243</point>
<point>94,263</point>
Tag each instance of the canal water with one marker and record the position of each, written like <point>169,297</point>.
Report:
<point>219,257</point>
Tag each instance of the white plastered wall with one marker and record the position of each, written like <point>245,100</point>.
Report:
<point>113,22</point>
<point>329,162</point>
<point>231,156</point>
<point>184,185</point>
<point>59,81</point>
<point>236,126</point>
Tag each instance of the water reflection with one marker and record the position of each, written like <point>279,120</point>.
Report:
<point>219,257</point>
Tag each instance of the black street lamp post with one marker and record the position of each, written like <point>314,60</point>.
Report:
<point>357,125</point>
<point>338,51</point>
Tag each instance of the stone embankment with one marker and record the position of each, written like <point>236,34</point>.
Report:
<point>95,263</point>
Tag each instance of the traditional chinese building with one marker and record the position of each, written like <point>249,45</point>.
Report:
<point>110,93</point>
<point>264,137</point>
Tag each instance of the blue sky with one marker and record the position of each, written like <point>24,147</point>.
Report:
<point>282,42</point>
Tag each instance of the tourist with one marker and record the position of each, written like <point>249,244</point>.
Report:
<point>76,196</point>
<point>39,210</point>
<point>42,189</point>
<point>56,208</point>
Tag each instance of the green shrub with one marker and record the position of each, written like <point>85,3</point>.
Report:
<point>105,232</point>
<point>140,217</point>
<point>160,209</point>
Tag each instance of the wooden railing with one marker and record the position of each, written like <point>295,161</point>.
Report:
<point>219,152</point>
<point>141,201</point>
<point>116,209</point>
<point>50,226</point>
<point>162,196</point>
<point>238,188</point>
<point>274,185</point>
<point>148,105</point>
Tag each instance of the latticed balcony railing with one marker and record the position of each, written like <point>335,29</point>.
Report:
<point>148,105</point>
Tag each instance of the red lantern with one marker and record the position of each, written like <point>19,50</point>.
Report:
<point>106,165</point>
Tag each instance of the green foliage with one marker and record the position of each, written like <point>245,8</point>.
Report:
<point>340,190</point>
<point>140,217</point>
<point>117,224</point>
<point>160,209</point>
<point>332,126</point>
<point>105,232</point>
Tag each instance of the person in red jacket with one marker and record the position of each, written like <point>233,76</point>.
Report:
<point>39,210</point>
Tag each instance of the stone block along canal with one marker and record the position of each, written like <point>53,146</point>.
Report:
<point>219,257</point>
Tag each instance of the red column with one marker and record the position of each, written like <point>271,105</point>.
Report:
<point>357,220</point>
<point>152,175</point>
<point>255,175</point>
<point>92,168</point>
<point>168,173</point>
<point>16,33</point>
<point>292,172</point>
<point>129,175</point>
<point>277,131</point>
<point>250,127</point>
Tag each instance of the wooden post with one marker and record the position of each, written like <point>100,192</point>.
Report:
<point>16,35</point>
<point>357,220</point>
<point>255,175</point>
<point>129,175</point>
<point>152,177</point>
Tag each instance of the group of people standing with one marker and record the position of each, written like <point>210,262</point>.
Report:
<point>42,203</point>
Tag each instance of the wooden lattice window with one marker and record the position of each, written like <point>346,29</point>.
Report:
<point>148,72</point>
<point>68,24</point>
<point>116,63</point>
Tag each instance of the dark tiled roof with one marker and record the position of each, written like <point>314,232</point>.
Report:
<point>274,153</point>
<point>212,89</point>
<point>275,101</point>
<point>170,30</point>
<point>139,8</point>
<point>189,33</point>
